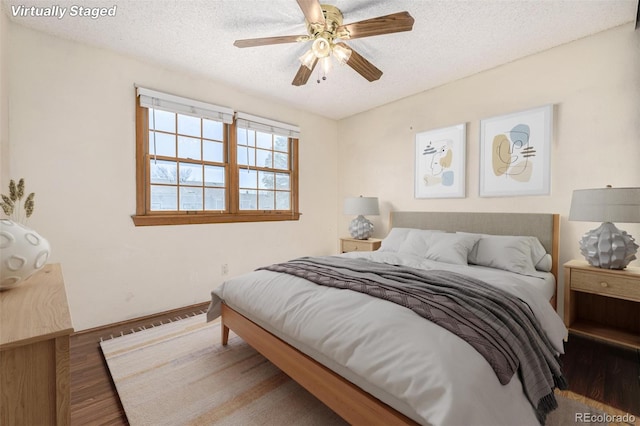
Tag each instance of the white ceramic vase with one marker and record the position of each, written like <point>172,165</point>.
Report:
<point>22,252</point>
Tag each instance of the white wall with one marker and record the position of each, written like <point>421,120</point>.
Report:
<point>594,84</point>
<point>72,137</point>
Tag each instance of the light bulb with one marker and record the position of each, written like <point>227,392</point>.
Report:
<point>327,64</point>
<point>308,59</point>
<point>341,53</point>
<point>321,47</point>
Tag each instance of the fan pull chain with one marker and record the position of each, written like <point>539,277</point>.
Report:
<point>324,76</point>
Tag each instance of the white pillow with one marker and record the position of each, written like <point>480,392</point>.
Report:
<point>539,256</point>
<point>520,254</point>
<point>394,239</point>
<point>416,242</point>
<point>545,263</point>
<point>450,248</point>
<point>505,252</point>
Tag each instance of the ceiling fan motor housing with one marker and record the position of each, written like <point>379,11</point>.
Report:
<point>333,20</point>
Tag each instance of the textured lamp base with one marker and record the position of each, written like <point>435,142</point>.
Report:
<point>361,228</point>
<point>608,247</point>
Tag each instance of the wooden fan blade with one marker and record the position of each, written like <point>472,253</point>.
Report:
<point>361,65</point>
<point>312,11</point>
<point>303,74</point>
<point>252,42</point>
<point>394,23</point>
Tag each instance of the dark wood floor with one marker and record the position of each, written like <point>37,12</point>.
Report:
<point>605,373</point>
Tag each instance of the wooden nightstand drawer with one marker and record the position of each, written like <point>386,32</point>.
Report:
<point>606,284</point>
<point>351,244</point>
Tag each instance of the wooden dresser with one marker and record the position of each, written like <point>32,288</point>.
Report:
<point>35,326</point>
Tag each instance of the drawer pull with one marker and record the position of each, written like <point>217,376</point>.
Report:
<point>604,284</point>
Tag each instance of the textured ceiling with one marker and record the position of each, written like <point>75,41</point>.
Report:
<point>450,40</point>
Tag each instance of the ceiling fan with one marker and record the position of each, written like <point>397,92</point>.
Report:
<point>326,31</point>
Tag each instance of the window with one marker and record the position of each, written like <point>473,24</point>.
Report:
<point>196,163</point>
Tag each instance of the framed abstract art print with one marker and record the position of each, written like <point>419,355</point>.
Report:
<point>515,153</point>
<point>440,162</point>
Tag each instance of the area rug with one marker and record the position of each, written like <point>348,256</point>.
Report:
<point>179,374</point>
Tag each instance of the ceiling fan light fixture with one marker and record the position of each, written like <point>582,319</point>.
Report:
<point>308,59</point>
<point>321,47</point>
<point>327,64</point>
<point>341,53</point>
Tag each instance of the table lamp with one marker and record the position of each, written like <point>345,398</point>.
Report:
<point>361,228</point>
<point>607,246</point>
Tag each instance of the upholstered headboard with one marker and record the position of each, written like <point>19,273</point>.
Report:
<point>546,227</point>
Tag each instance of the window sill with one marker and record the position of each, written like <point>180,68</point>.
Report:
<point>194,219</point>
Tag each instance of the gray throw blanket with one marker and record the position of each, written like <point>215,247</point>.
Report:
<point>499,326</point>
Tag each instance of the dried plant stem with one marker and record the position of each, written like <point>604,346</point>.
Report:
<point>12,205</point>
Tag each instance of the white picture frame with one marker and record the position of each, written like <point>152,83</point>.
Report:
<point>515,153</point>
<point>440,156</point>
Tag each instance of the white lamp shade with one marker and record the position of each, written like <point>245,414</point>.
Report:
<point>361,206</point>
<point>606,205</point>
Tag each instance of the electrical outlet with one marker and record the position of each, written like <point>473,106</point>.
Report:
<point>224,269</point>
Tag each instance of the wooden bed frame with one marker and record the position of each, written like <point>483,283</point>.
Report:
<point>350,402</point>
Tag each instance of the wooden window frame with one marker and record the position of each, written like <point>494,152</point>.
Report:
<point>146,217</point>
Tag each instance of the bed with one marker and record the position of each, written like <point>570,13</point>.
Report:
<point>360,355</point>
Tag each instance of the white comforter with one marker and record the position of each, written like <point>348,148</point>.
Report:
<point>413,365</point>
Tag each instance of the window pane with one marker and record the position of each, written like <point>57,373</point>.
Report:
<point>248,178</point>
<point>281,144</point>
<point>213,151</point>
<point>188,148</point>
<point>246,156</point>
<point>164,197</point>
<point>265,200</point>
<point>266,180</point>
<point>283,181</point>
<point>214,199</point>
<point>212,129</point>
<point>213,176</point>
<point>164,171</point>
<point>190,198</point>
<point>264,158</point>
<point>165,121</point>
<point>265,140</point>
<point>246,137</point>
<point>248,200</point>
<point>165,144</point>
<point>283,200</point>
<point>190,174</point>
<point>188,125</point>
<point>280,161</point>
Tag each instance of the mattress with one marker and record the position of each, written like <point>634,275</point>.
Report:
<point>411,364</point>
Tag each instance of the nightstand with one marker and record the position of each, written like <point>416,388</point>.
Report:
<point>603,303</point>
<point>351,244</point>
